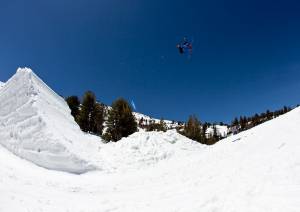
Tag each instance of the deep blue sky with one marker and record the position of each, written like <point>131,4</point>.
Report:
<point>246,56</point>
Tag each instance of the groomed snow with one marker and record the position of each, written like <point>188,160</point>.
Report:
<point>257,170</point>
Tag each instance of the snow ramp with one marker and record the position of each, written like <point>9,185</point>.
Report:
<point>36,124</point>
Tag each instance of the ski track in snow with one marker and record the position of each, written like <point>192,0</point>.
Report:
<point>256,170</point>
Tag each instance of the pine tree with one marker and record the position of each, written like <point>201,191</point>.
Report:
<point>284,110</point>
<point>74,103</point>
<point>215,136</point>
<point>86,118</point>
<point>269,115</point>
<point>235,122</point>
<point>141,123</point>
<point>121,122</point>
<point>97,119</point>
<point>204,128</point>
<point>162,126</point>
<point>243,122</point>
<point>255,120</point>
<point>193,130</point>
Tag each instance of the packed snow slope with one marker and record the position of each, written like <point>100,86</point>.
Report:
<point>254,171</point>
<point>36,124</point>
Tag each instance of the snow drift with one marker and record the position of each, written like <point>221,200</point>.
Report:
<point>36,124</point>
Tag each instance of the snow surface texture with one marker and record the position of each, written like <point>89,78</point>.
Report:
<point>36,124</point>
<point>257,170</point>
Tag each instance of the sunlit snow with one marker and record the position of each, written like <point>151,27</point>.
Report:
<point>257,170</point>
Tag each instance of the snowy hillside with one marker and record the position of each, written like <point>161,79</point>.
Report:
<point>147,119</point>
<point>221,130</point>
<point>36,124</point>
<point>256,170</point>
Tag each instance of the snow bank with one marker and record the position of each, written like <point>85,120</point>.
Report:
<point>36,124</point>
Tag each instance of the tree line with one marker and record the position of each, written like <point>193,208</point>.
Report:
<point>245,123</point>
<point>197,131</point>
<point>152,125</point>
<point>194,130</point>
<point>120,122</point>
<point>91,117</point>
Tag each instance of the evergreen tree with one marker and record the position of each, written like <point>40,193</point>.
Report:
<point>215,132</point>
<point>204,128</point>
<point>285,109</point>
<point>193,130</point>
<point>141,123</point>
<point>255,120</point>
<point>235,122</point>
<point>243,123</point>
<point>74,104</point>
<point>162,126</point>
<point>153,126</point>
<point>97,119</point>
<point>86,119</point>
<point>269,115</point>
<point>121,121</point>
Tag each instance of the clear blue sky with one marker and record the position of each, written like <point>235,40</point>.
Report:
<point>246,56</point>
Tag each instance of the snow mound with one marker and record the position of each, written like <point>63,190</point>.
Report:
<point>36,124</point>
<point>142,149</point>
